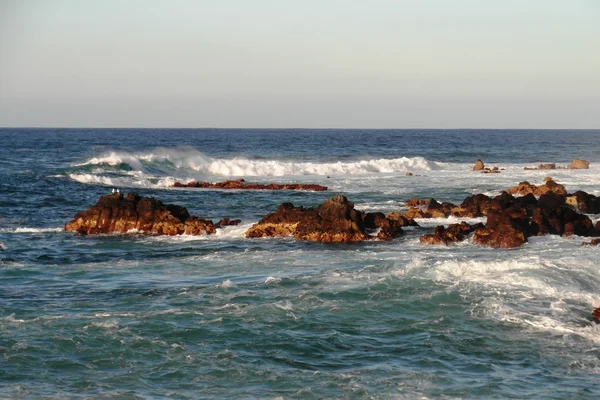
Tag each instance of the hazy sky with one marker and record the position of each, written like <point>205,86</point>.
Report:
<point>303,63</point>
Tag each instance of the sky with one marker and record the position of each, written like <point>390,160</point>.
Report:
<point>300,64</point>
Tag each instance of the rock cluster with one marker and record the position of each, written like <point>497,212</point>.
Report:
<point>512,220</point>
<point>454,233</point>
<point>480,166</point>
<point>549,186</point>
<point>575,164</point>
<point>115,213</point>
<point>242,184</point>
<point>334,220</point>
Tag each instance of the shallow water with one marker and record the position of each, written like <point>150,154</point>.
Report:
<point>228,317</point>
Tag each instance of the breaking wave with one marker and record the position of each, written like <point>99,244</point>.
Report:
<point>191,160</point>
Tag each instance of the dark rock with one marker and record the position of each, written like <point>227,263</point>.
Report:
<point>227,222</point>
<point>454,233</point>
<point>504,229</point>
<point>584,202</point>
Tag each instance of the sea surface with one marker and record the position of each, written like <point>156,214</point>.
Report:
<point>225,317</point>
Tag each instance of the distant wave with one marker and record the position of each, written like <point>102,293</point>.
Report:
<point>190,159</point>
<point>30,230</point>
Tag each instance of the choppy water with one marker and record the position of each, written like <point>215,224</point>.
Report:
<point>228,317</point>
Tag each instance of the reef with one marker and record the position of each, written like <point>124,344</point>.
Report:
<point>242,184</point>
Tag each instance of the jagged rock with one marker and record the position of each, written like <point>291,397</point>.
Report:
<point>117,214</point>
<point>584,202</point>
<point>593,242</point>
<point>454,233</point>
<point>241,184</point>
<point>282,222</point>
<point>579,164</point>
<point>479,166</point>
<point>334,220</point>
<point>549,186</point>
<point>504,229</point>
<point>415,202</point>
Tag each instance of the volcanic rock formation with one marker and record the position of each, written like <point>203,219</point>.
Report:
<point>115,213</point>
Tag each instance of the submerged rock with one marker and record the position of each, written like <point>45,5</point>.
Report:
<point>542,166</point>
<point>115,213</point>
<point>242,184</point>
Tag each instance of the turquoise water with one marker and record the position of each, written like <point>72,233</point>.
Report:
<point>228,317</point>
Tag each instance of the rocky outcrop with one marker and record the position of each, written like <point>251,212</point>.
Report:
<point>575,164</point>
<point>242,184</point>
<point>454,233</point>
<point>115,213</point>
<point>334,220</point>
<point>549,186</point>
<point>479,166</point>
<point>579,164</point>
<point>512,220</point>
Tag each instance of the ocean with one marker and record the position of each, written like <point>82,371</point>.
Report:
<point>225,317</point>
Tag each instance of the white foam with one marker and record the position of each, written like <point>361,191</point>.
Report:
<point>192,159</point>
<point>30,230</point>
<point>271,279</point>
<point>226,284</point>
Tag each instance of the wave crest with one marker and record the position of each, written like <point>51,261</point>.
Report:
<point>190,159</point>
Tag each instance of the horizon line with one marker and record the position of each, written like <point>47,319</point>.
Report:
<point>294,128</point>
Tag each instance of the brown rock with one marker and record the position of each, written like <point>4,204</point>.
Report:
<point>199,226</point>
<point>579,164</point>
<point>503,230</point>
<point>478,165</point>
<point>596,315</point>
<point>454,233</point>
<point>282,222</point>
<point>117,214</point>
<point>334,220</point>
<point>415,202</point>
<point>549,186</point>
